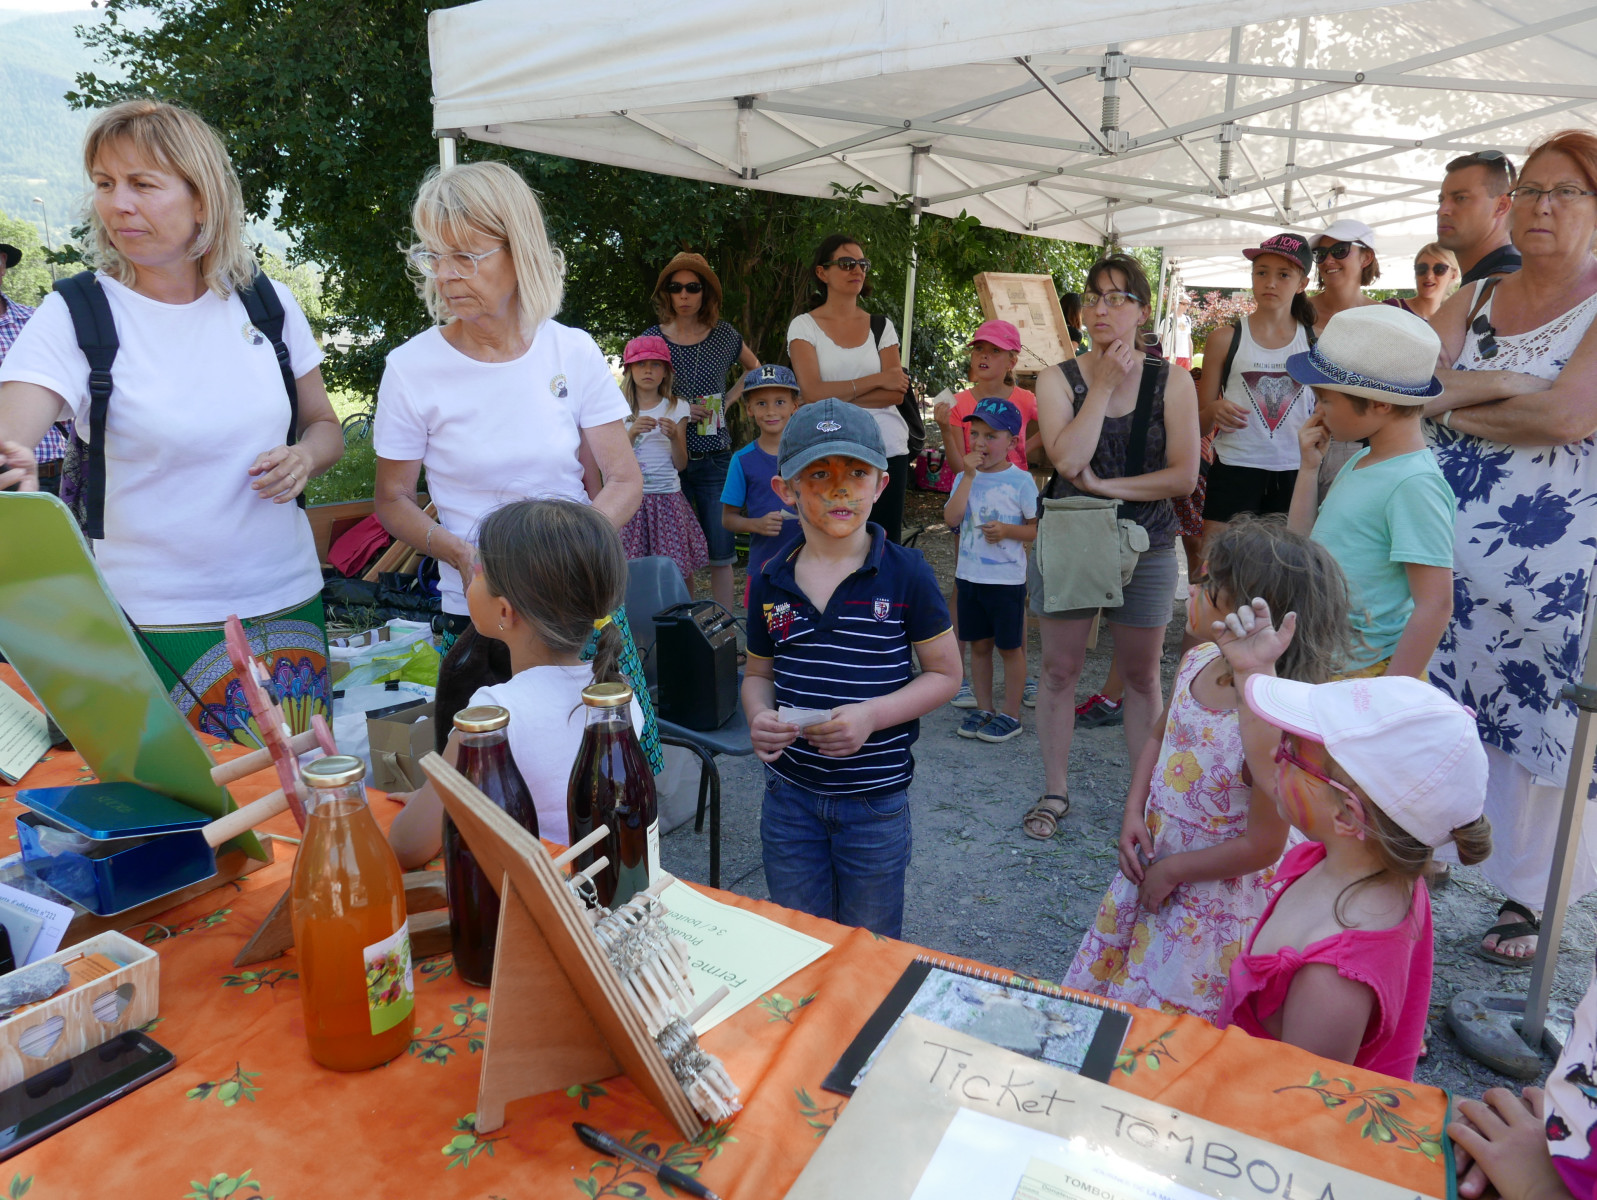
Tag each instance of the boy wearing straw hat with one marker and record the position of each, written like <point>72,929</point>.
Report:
<point>1388,517</point>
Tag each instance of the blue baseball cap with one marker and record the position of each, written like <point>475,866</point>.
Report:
<point>770,375</point>
<point>1000,414</point>
<point>830,427</point>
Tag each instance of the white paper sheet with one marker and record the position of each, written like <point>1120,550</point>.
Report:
<point>53,920</point>
<point>24,736</point>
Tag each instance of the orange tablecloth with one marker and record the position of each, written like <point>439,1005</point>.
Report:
<point>246,1113</point>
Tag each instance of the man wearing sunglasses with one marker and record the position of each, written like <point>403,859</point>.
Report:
<point>1472,215</point>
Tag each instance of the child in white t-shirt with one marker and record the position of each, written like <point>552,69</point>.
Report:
<point>548,574</point>
<point>664,523</point>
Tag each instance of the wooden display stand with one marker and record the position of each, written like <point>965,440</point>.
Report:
<point>1031,305</point>
<point>557,1014</point>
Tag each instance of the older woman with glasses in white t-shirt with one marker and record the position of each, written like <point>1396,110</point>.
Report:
<point>835,355</point>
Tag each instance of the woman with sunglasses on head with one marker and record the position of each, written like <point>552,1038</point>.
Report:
<point>1086,409</point>
<point>836,353</point>
<point>1435,279</point>
<point>704,349</point>
<point>1513,433</point>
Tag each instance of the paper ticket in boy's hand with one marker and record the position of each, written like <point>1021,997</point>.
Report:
<point>804,717</point>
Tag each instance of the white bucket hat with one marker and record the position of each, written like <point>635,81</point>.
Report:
<point>1375,351</point>
<point>1414,750</point>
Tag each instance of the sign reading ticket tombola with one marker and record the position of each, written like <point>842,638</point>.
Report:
<point>943,1116</point>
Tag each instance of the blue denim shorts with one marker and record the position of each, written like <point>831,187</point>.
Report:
<point>702,482</point>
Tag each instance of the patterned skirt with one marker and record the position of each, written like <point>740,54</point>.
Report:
<point>665,524</point>
<point>193,664</point>
<point>1189,509</point>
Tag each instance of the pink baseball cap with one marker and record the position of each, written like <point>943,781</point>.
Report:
<point>1413,749</point>
<point>648,348</point>
<point>997,333</point>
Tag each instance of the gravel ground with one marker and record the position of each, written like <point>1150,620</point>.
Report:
<point>979,887</point>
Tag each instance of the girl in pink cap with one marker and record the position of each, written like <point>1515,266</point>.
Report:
<point>663,524</point>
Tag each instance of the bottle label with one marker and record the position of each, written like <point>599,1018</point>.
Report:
<point>390,989</point>
<point>654,852</point>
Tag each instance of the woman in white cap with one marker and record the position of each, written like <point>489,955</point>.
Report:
<point>1513,432</point>
<point>1345,252</point>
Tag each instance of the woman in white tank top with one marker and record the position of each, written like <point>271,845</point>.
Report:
<point>1255,408</point>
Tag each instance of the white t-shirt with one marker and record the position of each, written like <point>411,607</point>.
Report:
<point>197,397</point>
<point>1009,496</point>
<point>490,433</point>
<point>1278,405</point>
<point>547,718</point>
<point>854,362</point>
<point>654,448</point>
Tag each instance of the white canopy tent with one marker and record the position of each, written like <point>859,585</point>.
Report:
<point>1197,127</point>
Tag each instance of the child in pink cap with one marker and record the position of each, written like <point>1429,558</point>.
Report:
<point>1376,773</point>
<point>664,523</point>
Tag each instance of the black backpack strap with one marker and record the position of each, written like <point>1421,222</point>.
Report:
<point>878,327</point>
<point>1231,353</point>
<point>265,311</point>
<point>96,332</point>
<point>1154,371</point>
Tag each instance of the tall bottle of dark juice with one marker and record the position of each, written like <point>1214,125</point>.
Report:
<point>611,785</point>
<point>473,898</point>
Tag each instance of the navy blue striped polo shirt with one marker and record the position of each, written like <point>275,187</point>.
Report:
<point>858,649</point>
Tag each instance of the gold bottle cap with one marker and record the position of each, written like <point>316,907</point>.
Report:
<point>336,770</point>
<point>482,718</point>
<point>607,695</point>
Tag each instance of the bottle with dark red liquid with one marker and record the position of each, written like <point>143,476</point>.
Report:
<point>611,785</point>
<point>473,898</point>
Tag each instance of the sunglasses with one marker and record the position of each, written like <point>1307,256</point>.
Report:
<point>1485,336</point>
<point>848,264</point>
<point>1421,270</point>
<point>1285,753</point>
<point>1337,250</point>
<point>1495,159</point>
<point>692,289</point>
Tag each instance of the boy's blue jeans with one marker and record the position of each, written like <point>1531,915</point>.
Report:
<point>837,857</point>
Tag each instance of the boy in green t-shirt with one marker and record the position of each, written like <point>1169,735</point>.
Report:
<point>1388,518</point>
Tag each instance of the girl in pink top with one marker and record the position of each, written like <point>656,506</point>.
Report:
<point>1376,773</point>
<point>994,351</point>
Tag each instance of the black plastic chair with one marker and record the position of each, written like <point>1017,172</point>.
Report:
<point>653,585</point>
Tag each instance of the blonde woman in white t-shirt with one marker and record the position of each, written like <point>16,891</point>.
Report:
<point>664,523</point>
<point>834,355</point>
<point>195,453</point>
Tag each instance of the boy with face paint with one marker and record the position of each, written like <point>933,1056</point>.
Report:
<point>832,702</point>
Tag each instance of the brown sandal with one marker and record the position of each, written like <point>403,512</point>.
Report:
<point>1042,819</point>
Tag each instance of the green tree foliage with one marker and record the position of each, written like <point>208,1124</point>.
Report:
<point>29,281</point>
<point>325,109</point>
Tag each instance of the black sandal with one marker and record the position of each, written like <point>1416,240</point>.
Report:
<point>1528,925</point>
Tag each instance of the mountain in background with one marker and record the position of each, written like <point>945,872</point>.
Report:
<point>43,137</point>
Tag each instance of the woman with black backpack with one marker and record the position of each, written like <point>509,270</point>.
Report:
<point>214,417</point>
<point>1246,396</point>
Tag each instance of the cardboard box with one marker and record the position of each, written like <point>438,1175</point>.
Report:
<point>398,741</point>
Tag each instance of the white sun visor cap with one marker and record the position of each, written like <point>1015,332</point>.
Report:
<point>1413,750</point>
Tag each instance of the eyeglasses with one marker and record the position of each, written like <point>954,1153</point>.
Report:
<point>463,265</point>
<point>1485,336</point>
<point>1285,753</point>
<point>848,264</point>
<point>1564,193</point>
<point>1421,270</point>
<point>1111,299</point>
<point>1336,250</point>
<point>692,289</point>
<point>1494,160</point>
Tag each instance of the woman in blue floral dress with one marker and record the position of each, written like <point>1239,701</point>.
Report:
<point>1513,432</point>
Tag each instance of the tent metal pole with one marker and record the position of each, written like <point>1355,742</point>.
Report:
<point>1566,848</point>
<point>917,157</point>
<point>446,152</point>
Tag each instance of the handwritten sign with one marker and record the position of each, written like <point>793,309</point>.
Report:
<point>943,1116</point>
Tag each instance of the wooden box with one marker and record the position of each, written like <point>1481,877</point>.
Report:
<point>1031,305</point>
<point>130,995</point>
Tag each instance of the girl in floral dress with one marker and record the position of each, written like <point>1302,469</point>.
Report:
<point>1198,846</point>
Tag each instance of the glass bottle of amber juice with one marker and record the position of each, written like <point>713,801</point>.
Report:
<point>611,785</point>
<point>350,933</point>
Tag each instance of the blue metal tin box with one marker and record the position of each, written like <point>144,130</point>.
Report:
<point>141,844</point>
